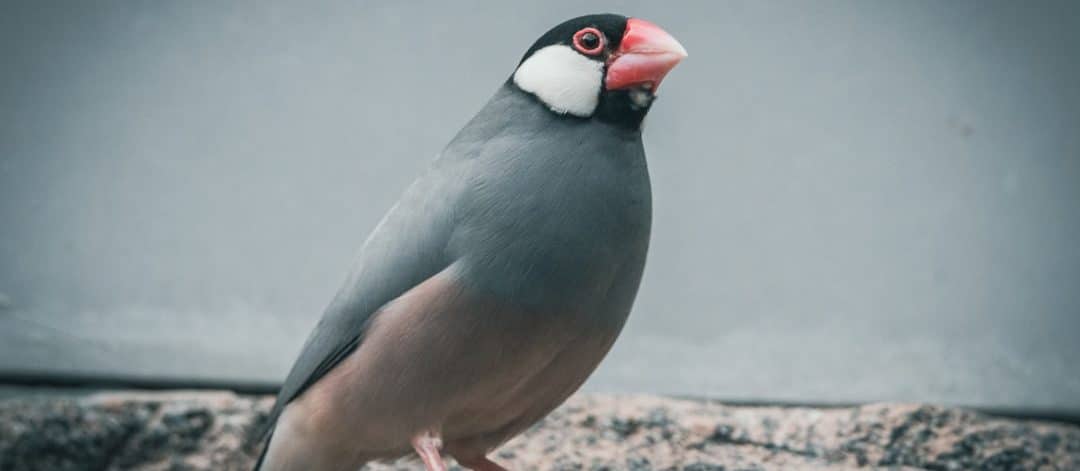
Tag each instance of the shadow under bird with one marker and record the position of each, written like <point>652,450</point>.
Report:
<point>494,287</point>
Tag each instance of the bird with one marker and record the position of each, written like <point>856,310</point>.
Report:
<point>501,278</point>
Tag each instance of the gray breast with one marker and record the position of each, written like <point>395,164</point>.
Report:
<point>554,218</point>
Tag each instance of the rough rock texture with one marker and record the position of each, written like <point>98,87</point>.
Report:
<point>217,430</point>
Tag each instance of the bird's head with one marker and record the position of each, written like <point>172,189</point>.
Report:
<point>605,67</point>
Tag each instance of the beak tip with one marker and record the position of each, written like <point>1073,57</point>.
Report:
<point>677,48</point>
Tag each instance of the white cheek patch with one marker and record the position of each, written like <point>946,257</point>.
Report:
<point>567,82</point>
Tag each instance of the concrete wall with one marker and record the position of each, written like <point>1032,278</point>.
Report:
<point>854,200</point>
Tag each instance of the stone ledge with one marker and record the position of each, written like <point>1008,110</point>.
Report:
<point>188,430</point>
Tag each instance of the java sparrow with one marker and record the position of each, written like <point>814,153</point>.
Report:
<point>494,287</point>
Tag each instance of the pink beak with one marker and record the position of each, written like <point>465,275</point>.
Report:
<point>646,54</point>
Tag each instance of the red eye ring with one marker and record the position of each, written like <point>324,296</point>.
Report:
<point>589,41</point>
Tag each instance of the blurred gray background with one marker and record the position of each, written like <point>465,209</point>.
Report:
<point>854,200</point>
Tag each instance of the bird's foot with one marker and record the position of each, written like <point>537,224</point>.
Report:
<point>427,444</point>
<point>481,464</point>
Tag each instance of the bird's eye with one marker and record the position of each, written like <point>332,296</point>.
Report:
<point>589,41</point>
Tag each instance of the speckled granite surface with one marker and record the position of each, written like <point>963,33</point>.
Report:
<point>592,432</point>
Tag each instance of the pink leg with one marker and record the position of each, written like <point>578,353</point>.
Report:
<point>427,445</point>
<point>481,464</point>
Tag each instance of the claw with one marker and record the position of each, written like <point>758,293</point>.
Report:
<point>427,445</point>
